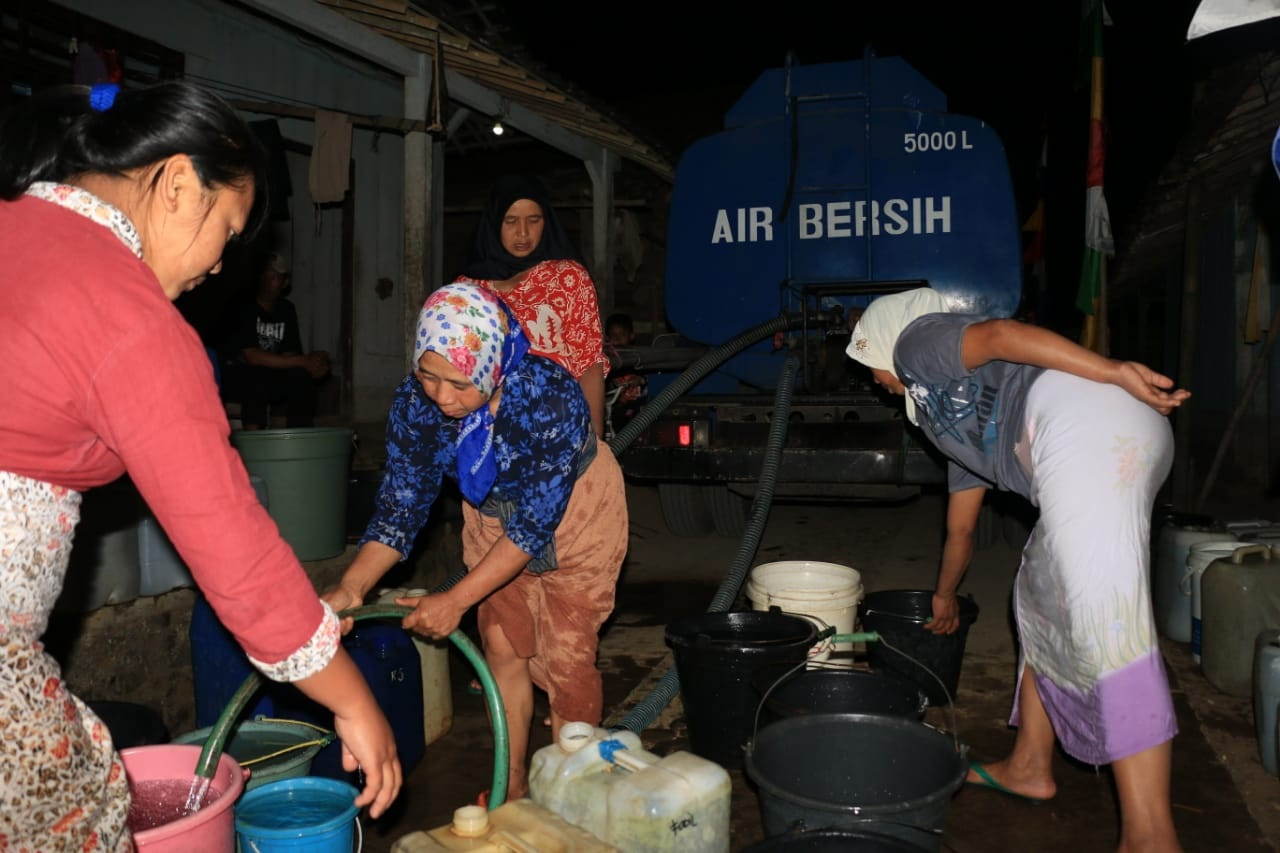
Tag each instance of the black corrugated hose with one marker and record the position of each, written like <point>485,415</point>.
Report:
<point>644,713</point>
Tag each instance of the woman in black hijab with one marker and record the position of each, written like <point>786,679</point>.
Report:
<point>522,253</point>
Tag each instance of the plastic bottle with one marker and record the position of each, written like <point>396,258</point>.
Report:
<point>609,785</point>
<point>437,695</point>
<point>515,825</point>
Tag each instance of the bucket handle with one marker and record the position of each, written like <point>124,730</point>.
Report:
<point>1238,555</point>
<point>857,637</point>
<point>800,826</point>
<point>866,637</point>
<point>323,738</point>
<point>827,632</point>
<point>951,702</point>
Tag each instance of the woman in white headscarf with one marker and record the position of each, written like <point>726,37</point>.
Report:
<point>1085,438</point>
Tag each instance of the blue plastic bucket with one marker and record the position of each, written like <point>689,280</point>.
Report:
<point>306,814</point>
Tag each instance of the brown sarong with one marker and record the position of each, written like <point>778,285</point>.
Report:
<point>553,619</point>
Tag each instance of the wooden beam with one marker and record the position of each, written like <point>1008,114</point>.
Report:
<point>382,123</point>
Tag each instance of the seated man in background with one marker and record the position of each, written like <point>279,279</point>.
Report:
<point>264,364</point>
<point>626,392</point>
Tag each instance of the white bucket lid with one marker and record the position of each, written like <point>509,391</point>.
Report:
<point>804,580</point>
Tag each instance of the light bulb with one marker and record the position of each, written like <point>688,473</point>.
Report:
<point>498,128</point>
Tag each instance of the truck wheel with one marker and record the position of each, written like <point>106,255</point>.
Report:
<point>685,510</point>
<point>728,511</point>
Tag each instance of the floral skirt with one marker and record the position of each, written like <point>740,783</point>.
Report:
<point>62,785</point>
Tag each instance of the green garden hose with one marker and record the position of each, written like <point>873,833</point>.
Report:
<point>211,753</point>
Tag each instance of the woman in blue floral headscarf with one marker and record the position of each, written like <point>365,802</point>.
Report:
<point>545,516</point>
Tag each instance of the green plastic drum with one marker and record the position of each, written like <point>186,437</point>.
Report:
<point>306,471</point>
<point>291,747</point>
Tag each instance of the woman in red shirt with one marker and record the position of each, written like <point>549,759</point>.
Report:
<point>522,253</point>
<point>113,204</point>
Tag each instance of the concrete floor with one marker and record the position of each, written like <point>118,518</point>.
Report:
<point>1223,799</point>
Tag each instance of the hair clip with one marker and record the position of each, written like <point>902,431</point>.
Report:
<point>103,95</point>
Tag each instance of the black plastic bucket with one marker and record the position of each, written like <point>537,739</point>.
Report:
<point>899,616</point>
<point>717,657</point>
<point>834,841</point>
<point>887,775</point>
<point>839,691</point>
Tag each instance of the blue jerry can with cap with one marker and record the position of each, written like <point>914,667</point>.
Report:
<point>387,658</point>
<point>608,784</point>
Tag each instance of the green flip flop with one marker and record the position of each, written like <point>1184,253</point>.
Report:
<point>991,784</point>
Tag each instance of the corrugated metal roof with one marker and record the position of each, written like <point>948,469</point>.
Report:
<point>519,82</point>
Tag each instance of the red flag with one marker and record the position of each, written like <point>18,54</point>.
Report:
<point>1098,241</point>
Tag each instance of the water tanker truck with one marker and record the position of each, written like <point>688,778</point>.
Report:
<point>830,184</point>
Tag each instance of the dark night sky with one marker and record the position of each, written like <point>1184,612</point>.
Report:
<point>672,72</point>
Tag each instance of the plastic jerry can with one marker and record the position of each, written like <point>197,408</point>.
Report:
<point>608,784</point>
<point>160,567</point>
<point>1266,697</point>
<point>1269,535</point>
<point>1241,598</point>
<point>1170,590</point>
<point>218,668</point>
<point>433,655</point>
<point>388,660</point>
<point>519,825</point>
<point>103,567</point>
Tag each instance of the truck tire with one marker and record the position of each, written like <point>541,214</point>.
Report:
<point>729,511</point>
<point>685,509</point>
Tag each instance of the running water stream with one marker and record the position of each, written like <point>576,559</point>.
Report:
<point>196,795</point>
<point>156,802</point>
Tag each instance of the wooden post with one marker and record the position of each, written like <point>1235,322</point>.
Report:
<point>1183,462</point>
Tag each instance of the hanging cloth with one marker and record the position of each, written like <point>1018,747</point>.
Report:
<point>330,157</point>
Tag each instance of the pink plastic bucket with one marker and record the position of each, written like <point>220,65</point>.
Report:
<point>210,830</point>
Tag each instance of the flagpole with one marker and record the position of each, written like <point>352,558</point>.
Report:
<point>1091,296</point>
<point>1102,338</point>
<point>1103,344</point>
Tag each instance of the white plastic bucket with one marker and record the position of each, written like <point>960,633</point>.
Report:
<point>1170,583</point>
<point>826,594</point>
<point>1199,556</point>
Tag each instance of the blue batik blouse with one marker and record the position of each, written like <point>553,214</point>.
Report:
<point>542,439</point>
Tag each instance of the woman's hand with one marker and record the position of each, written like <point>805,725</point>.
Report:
<point>342,598</point>
<point>946,614</point>
<point>435,616</point>
<point>367,740</point>
<point>1149,387</point>
<point>368,744</point>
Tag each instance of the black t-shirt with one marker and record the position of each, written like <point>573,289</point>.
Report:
<point>274,331</point>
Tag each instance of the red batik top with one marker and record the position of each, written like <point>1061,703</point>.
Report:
<point>555,302</point>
